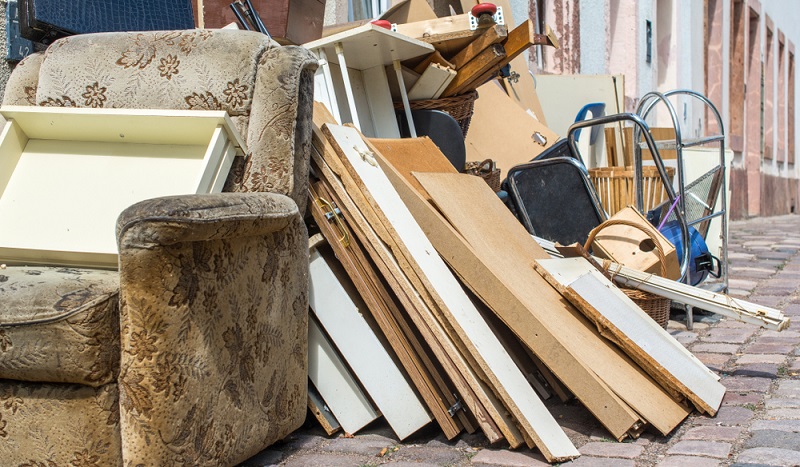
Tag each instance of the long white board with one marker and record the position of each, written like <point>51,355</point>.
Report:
<point>338,313</point>
<point>657,352</point>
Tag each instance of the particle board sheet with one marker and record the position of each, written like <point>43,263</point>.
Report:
<point>647,343</point>
<point>413,155</point>
<point>385,310</point>
<point>478,408</point>
<point>340,391</point>
<point>501,372</point>
<point>503,243</point>
<point>337,310</point>
<point>489,286</point>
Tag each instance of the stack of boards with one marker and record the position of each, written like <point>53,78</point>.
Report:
<point>432,304</point>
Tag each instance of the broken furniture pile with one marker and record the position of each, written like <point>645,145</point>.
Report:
<point>460,316</point>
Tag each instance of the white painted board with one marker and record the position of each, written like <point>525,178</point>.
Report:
<point>625,318</point>
<point>339,314</point>
<point>335,384</point>
<point>475,332</point>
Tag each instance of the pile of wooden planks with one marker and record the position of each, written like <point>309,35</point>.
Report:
<point>478,322</point>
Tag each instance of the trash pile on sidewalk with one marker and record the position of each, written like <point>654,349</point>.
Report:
<point>432,302</point>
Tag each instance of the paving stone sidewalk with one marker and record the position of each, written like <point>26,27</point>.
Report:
<point>758,423</point>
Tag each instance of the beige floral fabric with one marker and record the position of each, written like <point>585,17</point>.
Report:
<point>212,303</point>
<point>213,309</point>
<point>55,425</point>
<point>59,325</point>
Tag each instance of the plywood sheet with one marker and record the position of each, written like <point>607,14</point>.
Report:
<point>510,251</point>
<point>502,131</point>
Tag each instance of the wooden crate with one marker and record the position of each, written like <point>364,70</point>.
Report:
<point>615,187</point>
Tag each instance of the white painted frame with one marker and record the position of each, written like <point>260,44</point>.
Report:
<point>66,174</point>
<point>338,313</point>
<point>351,80</point>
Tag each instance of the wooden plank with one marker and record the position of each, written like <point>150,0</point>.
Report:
<point>421,154</point>
<point>337,310</point>
<point>656,351</point>
<point>518,41</point>
<point>321,412</point>
<point>474,69</point>
<point>500,130</point>
<point>502,242</point>
<point>443,29</point>
<point>502,374</point>
<point>515,313</point>
<point>431,83</point>
<point>492,35</point>
<point>722,304</point>
<point>336,385</point>
<point>436,393</point>
<point>452,362</point>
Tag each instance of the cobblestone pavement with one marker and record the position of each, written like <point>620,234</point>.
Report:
<point>758,423</point>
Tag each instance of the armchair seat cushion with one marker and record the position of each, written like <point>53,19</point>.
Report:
<point>59,325</point>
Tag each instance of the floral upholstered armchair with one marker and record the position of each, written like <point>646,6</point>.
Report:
<point>194,352</point>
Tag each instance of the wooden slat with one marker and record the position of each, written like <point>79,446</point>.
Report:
<point>722,304</point>
<point>435,392</point>
<point>493,35</point>
<point>647,343</point>
<point>502,242</point>
<point>519,40</point>
<point>338,311</point>
<point>474,69</point>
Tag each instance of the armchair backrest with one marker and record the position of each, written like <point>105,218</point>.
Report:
<point>267,90</point>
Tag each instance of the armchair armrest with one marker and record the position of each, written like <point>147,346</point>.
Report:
<point>173,219</point>
<point>213,323</point>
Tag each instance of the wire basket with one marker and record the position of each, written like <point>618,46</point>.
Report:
<point>459,107</point>
<point>487,170</point>
<point>655,306</point>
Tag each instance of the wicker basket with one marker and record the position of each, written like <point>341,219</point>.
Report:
<point>487,170</point>
<point>656,306</point>
<point>459,107</point>
<point>614,186</point>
